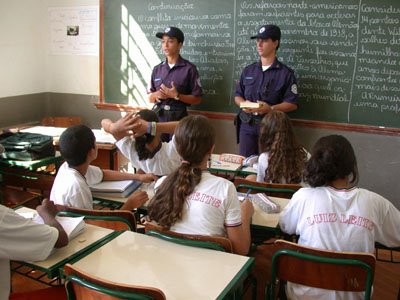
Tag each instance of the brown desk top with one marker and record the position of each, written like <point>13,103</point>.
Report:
<point>11,197</point>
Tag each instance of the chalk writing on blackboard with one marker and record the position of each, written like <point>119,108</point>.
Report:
<point>345,53</point>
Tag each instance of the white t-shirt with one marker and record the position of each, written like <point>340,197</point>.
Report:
<point>70,188</point>
<point>262,166</point>
<point>164,162</point>
<point>341,220</point>
<point>21,239</point>
<point>211,207</point>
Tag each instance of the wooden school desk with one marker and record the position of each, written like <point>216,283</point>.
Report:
<point>92,238</point>
<point>107,154</point>
<point>12,198</point>
<point>33,165</point>
<point>181,272</point>
<point>226,169</point>
<point>229,170</point>
<point>265,226</point>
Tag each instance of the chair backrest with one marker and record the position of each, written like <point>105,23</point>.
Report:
<point>202,241</point>
<point>331,270</point>
<point>61,121</point>
<point>83,286</point>
<point>282,190</point>
<point>112,219</point>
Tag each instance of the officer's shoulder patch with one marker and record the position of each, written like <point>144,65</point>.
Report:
<point>294,89</point>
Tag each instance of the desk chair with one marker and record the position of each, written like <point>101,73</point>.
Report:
<point>332,270</point>
<point>61,121</point>
<point>82,286</point>
<point>387,254</point>
<point>202,241</point>
<point>271,189</point>
<point>112,219</point>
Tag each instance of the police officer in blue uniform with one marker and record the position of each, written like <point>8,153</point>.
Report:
<point>175,82</point>
<point>268,82</point>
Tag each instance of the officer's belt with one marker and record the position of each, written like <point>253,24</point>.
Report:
<point>250,118</point>
<point>167,107</point>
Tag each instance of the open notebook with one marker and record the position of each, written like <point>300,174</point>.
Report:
<point>73,226</point>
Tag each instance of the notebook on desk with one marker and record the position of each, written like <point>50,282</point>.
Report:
<point>73,226</point>
<point>226,162</point>
<point>118,188</point>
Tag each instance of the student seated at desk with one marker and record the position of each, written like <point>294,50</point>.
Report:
<point>145,150</point>
<point>71,185</point>
<point>191,200</point>
<point>23,239</point>
<point>336,215</point>
<point>282,158</point>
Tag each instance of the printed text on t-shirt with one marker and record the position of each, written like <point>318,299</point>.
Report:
<point>341,218</point>
<point>207,199</point>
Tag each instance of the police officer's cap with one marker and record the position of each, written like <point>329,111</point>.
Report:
<point>265,32</point>
<point>172,32</point>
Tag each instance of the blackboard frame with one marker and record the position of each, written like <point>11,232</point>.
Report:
<point>102,104</point>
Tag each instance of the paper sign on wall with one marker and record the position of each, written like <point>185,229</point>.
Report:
<point>74,30</point>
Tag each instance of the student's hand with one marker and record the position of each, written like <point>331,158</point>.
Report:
<point>247,210</point>
<point>137,199</point>
<point>147,177</point>
<point>125,124</point>
<point>139,127</point>
<point>47,210</point>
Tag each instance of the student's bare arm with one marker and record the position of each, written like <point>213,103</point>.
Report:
<point>240,235</point>
<point>140,127</point>
<point>48,211</point>
<point>137,199</point>
<point>116,175</point>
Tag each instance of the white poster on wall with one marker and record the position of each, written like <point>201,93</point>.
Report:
<point>74,30</point>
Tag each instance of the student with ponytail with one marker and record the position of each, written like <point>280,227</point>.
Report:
<point>191,200</point>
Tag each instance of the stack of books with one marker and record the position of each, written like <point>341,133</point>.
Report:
<point>118,188</point>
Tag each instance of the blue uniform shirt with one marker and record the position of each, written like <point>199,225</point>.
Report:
<point>275,85</point>
<point>184,75</point>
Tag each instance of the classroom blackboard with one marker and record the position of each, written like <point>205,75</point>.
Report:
<point>346,54</point>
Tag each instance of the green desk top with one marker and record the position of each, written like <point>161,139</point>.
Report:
<point>33,165</point>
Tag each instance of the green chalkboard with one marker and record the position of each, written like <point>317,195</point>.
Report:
<point>346,54</point>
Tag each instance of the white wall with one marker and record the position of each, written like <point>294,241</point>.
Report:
<point>27,67</point>
<point>73,74</point>
<point>21,47</point>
